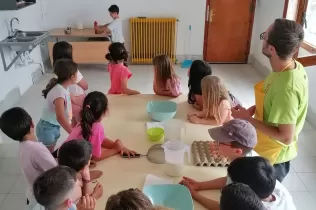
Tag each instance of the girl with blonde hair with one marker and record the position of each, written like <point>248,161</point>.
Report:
<point>166,81</point>
<point>216,103</point>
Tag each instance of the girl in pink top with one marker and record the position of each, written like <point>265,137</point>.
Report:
<point>166,82</point>
<point>119,73</point>
<point>95,108</point>
<point>216,103</point>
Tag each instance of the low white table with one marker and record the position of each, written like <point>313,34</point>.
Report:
<point>126,121</point>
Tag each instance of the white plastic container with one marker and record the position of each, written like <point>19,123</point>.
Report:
<point>174,157</point>
<point>174,130</point>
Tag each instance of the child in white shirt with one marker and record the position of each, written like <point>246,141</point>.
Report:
<point>115,27</point>
<point>260,176</point>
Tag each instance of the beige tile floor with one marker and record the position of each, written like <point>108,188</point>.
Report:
<point>239,79</point>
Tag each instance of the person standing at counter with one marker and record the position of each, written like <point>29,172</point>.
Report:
<point>114,28</point>
<point>281,99</point>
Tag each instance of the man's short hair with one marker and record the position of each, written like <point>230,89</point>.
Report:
<point>16,123</point>
<point>286,37</point>
<point>114,8</point>
<point>75,154</point>
<point>239,196</point>
<point>256,172</point>
<point>54,186</point>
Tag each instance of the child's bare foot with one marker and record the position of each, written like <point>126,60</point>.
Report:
<point>95,174</point>
<point>97,191</point>
<point>93,164</point>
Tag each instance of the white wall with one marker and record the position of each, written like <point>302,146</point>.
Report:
<point>30,19</point>
<point>63,13</point>
<point>266,12</point>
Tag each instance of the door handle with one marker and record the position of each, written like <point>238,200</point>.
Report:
<point>211,15</point>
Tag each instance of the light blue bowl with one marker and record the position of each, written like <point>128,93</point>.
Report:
<point>173,196</point>
<point>161,110</point>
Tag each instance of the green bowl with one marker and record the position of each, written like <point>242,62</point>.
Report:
<point>155,134</point>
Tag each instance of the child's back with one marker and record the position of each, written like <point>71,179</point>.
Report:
<point>166,82</point>
<point>118,72</point>
<point>96,138</point>
<point>34,157</point>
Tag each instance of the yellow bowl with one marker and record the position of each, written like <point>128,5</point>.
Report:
<point>155,134</point>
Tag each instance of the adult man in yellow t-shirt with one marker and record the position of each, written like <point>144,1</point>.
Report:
<point>281,99</point>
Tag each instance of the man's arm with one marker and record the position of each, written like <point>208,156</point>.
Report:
<point>283,133</point>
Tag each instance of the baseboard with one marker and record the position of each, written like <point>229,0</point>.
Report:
<point>262,69</point>
<point>181,58</point>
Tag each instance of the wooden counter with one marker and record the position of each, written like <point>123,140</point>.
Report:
<point>84,52</point>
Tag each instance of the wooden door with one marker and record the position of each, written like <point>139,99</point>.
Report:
<point>228,29</point>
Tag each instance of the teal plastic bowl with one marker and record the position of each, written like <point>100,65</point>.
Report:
<point>161,110</point>
<point>173,196</point>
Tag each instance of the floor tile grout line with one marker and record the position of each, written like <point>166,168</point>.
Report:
<point>302,182</point>
<point>6,195</point>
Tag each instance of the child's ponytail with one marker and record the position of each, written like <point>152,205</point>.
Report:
<point>95,105</point>
<point>49,86</point>
<point>87,120</point>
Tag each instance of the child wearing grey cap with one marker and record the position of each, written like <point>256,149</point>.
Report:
<point>236,138</point>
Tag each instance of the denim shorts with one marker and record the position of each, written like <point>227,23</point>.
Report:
<point>47,133</point>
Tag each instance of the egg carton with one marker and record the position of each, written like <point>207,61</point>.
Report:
<point>205,153</point>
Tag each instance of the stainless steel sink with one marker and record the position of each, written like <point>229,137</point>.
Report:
<point>27,34</point>
<point>21,39</point>
<point>24,40</point>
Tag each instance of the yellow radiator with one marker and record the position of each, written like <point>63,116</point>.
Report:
<point>151,37</point>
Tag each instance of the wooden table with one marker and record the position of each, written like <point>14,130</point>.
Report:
<point>84,52</point>
<point>126,121</point>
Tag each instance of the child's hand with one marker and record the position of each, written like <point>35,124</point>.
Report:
<point>128,152</point>
<point>97,191</point>
<point>190,188</point>
<point>194,119</point>
<point>95,174</point>
<point>194,184</point>
<point>197,106</point>
<point>123,150</point>
<point>87,202</point>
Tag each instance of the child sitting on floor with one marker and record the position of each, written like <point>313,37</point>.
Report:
<point>239,196</point>
<point>34,157</point>
<point>131,199</point>
<point>119,73</point>
<point>166,82</point>
<point>260,176</point>
<point>235,139</point>
<point>57,108</point>
<point>95,108</point>
<point>200,69</point>
<point>216,103</point>
<point>63,50</point>
<point>76,155</point>
<point>59,189</point>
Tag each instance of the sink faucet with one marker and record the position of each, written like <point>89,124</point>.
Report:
<point>11,23</point>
